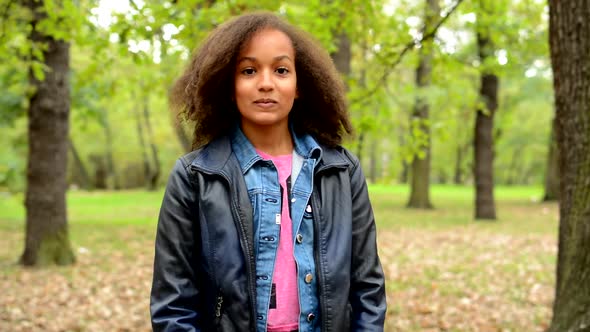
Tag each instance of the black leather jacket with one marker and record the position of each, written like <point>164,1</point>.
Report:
<point>204,268</point>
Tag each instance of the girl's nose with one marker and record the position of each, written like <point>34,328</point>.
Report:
<point>265,82</point>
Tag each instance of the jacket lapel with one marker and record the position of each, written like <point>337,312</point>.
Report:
<point>217,158</point>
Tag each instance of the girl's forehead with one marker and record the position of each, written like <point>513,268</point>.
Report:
<point>267,38</point>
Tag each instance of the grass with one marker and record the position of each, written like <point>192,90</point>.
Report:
<point>445,271</point>
<point>96,208</point>
<point>518,209</point>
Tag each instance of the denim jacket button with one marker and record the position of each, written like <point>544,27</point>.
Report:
<point>308,278</point>
<point>299,238</point>
<point>310,317</point>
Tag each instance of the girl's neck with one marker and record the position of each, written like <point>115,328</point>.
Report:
<point>272,140</point>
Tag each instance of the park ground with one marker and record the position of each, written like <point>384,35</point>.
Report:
<point>445,271</point>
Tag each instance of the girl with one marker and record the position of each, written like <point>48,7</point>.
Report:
<point>267,225</point>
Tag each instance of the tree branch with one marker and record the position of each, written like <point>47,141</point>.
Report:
<point>408,47</point>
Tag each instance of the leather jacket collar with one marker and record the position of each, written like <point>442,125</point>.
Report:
<point>216,158</point>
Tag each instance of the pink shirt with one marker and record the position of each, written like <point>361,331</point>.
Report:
<point>283,315</point>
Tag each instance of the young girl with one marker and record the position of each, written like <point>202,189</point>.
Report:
<point>267,225</point>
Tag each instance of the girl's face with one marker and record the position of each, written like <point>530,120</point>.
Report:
<point>265,80</point>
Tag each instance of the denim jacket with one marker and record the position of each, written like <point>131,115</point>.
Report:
<point>265,195</point>
<point>205,266</point>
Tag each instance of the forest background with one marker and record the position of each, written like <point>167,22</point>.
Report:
<point>125,57</point>
<point>453,106</point>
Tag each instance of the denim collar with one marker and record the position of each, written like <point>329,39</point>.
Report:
<point>304,145</point>
<point>215,157</point>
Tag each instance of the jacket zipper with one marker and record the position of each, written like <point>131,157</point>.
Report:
<point>218,305</point>
<point>218,309</point>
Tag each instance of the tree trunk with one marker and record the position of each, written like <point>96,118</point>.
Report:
<point>345,55</point>
<point>154,175</point>
<point>360,146</point>
<point>111,174</point>
<point>458,172</point>
<point>47,241</point>
<point>569,39</point>
<point>373,161</point>
<point>83,177</point>
<point>420,168</point>
<point>513,170</point>
<point>458,177</point>
<point>484,143</point>
<point>552,172</point>
<point>147,170</point>
<point>100,171</point>
<point>146,162</point>
<point>342,56</point>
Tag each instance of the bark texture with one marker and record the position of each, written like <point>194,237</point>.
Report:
<point>485,207</point>
<point>46,239</point>
<point>569,37</point>
<point>420,167</point>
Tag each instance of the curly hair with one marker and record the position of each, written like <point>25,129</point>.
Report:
<point>204,92</point>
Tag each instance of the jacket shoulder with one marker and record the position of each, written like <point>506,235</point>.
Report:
<point>188,158</point>
<point>341,155</point>
<point>351,157</point>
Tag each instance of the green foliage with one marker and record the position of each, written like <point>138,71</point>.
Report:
<point>12,156</point>
<point>137,53</point>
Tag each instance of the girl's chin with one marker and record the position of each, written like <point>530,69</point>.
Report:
<point>266,120</point>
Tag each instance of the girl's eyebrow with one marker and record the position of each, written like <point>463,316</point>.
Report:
<point>276,58</point>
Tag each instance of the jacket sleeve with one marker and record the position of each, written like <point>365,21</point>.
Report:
<point>367,287</point>
<point>175,294</point>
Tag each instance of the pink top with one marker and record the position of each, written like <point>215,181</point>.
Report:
<point>283,314</point>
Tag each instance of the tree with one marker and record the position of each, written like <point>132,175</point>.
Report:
<point>420,168</point>
<point>47,239</point>
<point>151,163</point>
<point>485,207</point>
<point>569,42</point>
<point>80,176</point>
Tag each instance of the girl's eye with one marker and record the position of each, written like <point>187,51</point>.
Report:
<point>282,70</point>
<point>248,71</point>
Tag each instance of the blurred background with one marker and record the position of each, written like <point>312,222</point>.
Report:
<point>451,100</point>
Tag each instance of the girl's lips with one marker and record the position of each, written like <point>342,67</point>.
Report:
<point>265,103</point>
<point>265,100</point>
